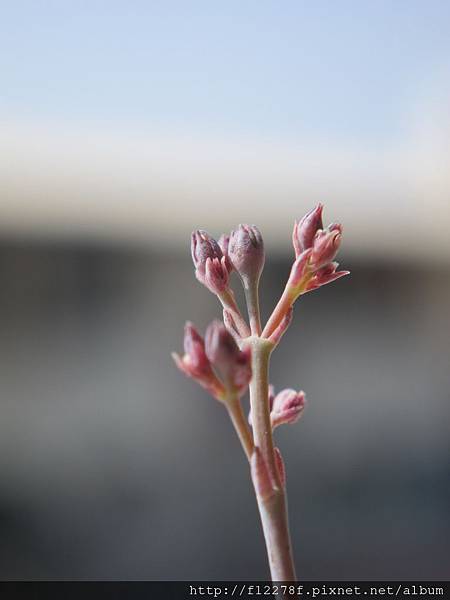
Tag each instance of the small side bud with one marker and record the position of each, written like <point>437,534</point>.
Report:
<point>260,476</point>
<point>232,364</point>
<point>306,228</point>
<point>246,251</point>
<point>280,466</point>
<point>325,275</point>
<point>230,324</point>
<point>195,364</point>
<point>325,246</point>
<point>216,276</point>
<point>224,242</point>
<point>287,407</point>
<point>203,247</point>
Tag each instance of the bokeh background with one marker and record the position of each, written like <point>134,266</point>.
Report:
<point>125,125</point>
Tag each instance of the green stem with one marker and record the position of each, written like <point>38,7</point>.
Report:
<point>240,424</point>
<point>227,300</point>
<point>272,508</point>
<point>284,304</point>
<point>252,298</point>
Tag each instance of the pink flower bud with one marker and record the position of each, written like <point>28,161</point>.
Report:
<point>325,275</point>
<point>246,251</point>
<point>280,466</point>
<point>262,482</point>
<point>230,324</point>
<point>232,364</point>
<point>287,407</point>
<point>299,269</point>
<point>203,246</point>
<point>325,245</point>
<point>195,364</point>
<point>224,242</point>
<point>305,230</point>
<point>216,276</point>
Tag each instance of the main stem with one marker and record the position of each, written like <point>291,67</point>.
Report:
<point>273,509</point>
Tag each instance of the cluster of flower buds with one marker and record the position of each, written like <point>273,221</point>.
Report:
<point>285,407</point>
<point>212,267</point>
<point>242,250</point>
<point>315,249</point>
<point>216,363</point>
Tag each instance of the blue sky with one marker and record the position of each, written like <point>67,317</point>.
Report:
<point>326,68</point>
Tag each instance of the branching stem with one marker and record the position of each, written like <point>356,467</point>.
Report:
<point>240,424</point>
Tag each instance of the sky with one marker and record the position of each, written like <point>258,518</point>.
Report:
<point>356,70</point>
<point>130,120</point>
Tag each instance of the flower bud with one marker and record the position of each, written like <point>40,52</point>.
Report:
<point>246,251</point>
<point>325,245</point>
<point>306,228</point>
<point>195,364</point>
<point>203,246</point>
<point>262,482</point>
<point>232,364</point>
<point>230,324</point>
<point>287,407</point>
<point>216,275</point>
<point>224,242</point>
<point>299,269</point>
<point>325,275</point>
<point>279,462</point>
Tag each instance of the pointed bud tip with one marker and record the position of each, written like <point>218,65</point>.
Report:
<point>246,251</point>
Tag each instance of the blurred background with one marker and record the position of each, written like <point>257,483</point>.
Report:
<point>123,127</point>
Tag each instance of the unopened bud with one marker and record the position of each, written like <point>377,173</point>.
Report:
<point>195,364</point>
<point>262,482</point>
<point>246,251</point>
<point>232,364</point>
<point>216,276</point>
<point>306,228</point>
<point>224,242</point>
<point>203,246</point>
<point>325,245</point>
<point>325,275</point>
<point>230,324</point>
<point>299,269</point>
<point>279,462</point>
<point>287,407</point>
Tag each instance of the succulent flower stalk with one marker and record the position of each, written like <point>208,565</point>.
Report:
<point>246,254</point>
<point>235,357</point>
